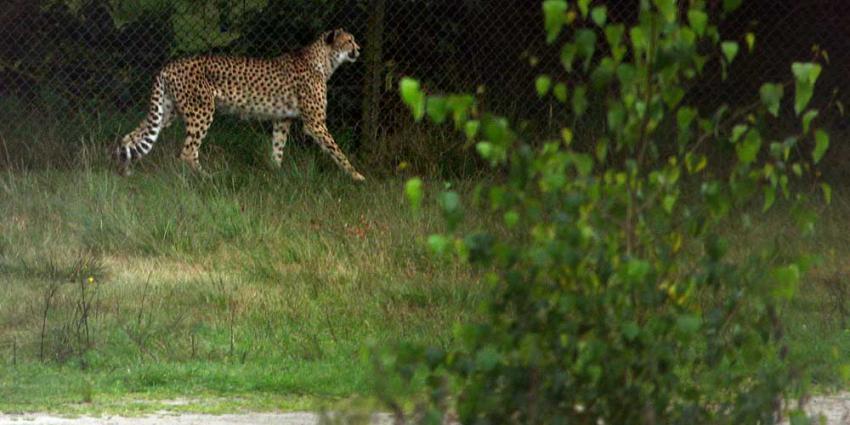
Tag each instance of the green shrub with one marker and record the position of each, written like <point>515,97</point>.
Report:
<point>616,298</point>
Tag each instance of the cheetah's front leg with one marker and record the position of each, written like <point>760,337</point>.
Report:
<point>319,132</point>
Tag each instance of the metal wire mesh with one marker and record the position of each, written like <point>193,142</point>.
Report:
<point>785,32</point>
<point>65,61</point>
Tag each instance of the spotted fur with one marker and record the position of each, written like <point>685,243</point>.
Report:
<point>291,86</point>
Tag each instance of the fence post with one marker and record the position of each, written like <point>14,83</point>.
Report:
<point>373,59</point>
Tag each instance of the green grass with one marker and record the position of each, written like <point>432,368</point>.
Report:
<point>257,288</point>
<point>817,321</point>
<point>266,286</point>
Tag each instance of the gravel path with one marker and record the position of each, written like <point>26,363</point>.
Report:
<point>178,419</point>
<point>835,408</point>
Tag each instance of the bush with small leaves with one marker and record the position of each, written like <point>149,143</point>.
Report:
<point>616,298</point>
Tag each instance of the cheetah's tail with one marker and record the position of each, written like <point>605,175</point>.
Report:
<point>139,142</point>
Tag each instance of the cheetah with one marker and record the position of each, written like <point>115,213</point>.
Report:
<point>282,89</point>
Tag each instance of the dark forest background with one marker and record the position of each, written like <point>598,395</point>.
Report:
<point>63,60</point>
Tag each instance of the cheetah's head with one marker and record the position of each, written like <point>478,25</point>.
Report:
<point>343,47</point>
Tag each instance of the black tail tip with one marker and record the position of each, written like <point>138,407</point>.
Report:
<point>126,154</point>
<point>119,154</point>
<point>122,160</point>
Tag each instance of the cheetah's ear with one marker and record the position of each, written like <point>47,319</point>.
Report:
<point>332,35</point>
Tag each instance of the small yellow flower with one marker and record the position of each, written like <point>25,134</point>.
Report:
<point>91,279</point>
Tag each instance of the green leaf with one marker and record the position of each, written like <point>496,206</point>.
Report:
<point>672,95</point>
<point>601,149</point>
<point>542,85</point>
<point>560,92</point>
<point>616,117</point>
<point>413,191</point>
<point>554,18</point>
<point>668,9</point>
<point>496,130</point>
<point>487,358</point>
<point>586,44</point>
<point>436,108</point>
<point>777,150</point>
<point>583,7</point>
<point>460,105</point>
<point>471,129</point>
<point>786,279</point>
<point>806,71</point>
<point>497,197</point>
<point>640,108</point>
<point>805,76</point>
<point>787,144</point>
<point>738,131</point>
<point>568,55</point>
<point>695,164</point>
<point>636,270</point>
<point>827,192</point>
<point>669,202</point>
<point>769,197</point>
<point>844,371</point>
<point>439,244</point>
<point>449,201</point>
<point>409,89</point>
<point>567,136</point>
<point>614,34</point>
<point>807,119</point>
<point>639,40</point>
<point>821,145</point>
<point>626,73</point>
<point>698,20</point>
<point>685,116</point>
<point>748,150</point>
<point>730,50</point>
<point>580,100</point>
<point>583,163</point>
<point>602,75</point>
<point>413,97</point>
<point>802,95</point>
<point>751,41</point>
<point>771,95</point>
<point>511,219</point>
<point>630,330</point>
<point>485,149</point>
<point>687,43</point>
<point>688,323</point>
<point>599,14</point>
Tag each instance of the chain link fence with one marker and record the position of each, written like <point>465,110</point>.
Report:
<point>69,65</point>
